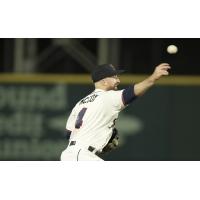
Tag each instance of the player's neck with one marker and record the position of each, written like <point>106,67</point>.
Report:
<point>101,88</point>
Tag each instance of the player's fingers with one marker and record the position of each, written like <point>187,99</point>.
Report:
<point>164,64</point>
<point>165,67</point>
<point>165,73</point>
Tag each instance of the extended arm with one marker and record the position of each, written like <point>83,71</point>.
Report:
<point>160,70</point>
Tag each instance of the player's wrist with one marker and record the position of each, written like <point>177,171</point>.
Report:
<point>151,80</point>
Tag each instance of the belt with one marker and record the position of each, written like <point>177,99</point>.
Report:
<point>90,148</point>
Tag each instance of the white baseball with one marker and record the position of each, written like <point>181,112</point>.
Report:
<point>172,49</point>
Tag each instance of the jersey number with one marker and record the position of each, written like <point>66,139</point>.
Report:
<point>79,119</point>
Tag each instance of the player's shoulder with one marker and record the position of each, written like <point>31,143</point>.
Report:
<point>114,98</point>
<point>113,92</point>
<point>107,93</point>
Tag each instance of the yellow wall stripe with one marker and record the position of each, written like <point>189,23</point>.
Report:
<point>85,79</point>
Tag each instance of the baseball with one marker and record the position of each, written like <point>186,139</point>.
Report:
<point>172,49</point>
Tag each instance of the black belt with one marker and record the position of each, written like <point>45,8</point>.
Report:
<point>90,148</point>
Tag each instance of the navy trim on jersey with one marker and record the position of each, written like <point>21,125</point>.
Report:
<point>128,95</point>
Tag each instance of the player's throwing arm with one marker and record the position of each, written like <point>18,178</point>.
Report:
<point>91,125</point>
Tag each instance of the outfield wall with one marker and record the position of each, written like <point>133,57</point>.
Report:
<point>161,125</point>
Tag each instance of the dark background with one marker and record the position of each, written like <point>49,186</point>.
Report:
<point>33,115</point>
<point>137,55</point>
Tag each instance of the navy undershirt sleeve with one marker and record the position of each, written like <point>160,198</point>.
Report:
<point>128,95</point>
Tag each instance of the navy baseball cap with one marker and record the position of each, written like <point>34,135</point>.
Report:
<point>104,71</point>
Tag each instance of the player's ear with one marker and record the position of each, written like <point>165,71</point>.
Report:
<point>104,82</point>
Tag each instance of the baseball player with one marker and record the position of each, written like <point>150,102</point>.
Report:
<point>91,124</point>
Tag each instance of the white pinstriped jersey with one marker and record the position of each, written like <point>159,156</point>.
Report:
<point>93,118</point>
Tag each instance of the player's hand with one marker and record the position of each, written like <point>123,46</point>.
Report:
<point>160,70</point>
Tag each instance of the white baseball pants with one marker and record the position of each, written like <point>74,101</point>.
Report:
<point>75,153</point>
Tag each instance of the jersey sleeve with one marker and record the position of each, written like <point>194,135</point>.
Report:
<point>128,95</point>
<point>115,99</point>
<point>122,98</point>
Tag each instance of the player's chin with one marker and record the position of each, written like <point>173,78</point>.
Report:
<point>116,88</point>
